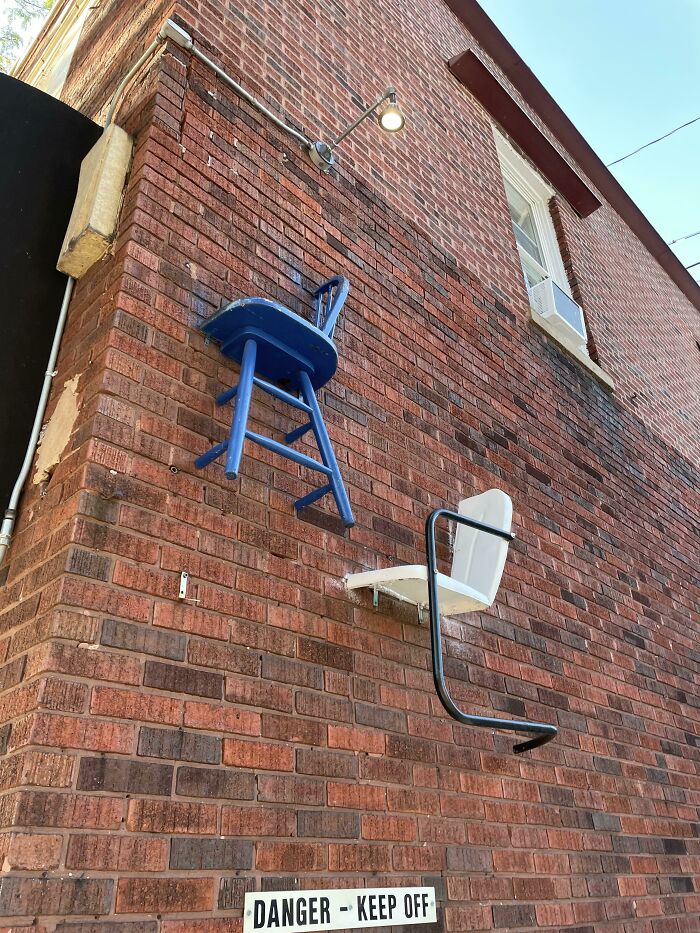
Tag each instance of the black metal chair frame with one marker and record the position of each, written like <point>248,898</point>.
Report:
<point>545,732</point>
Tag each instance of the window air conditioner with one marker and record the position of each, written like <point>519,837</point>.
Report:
<point>562,312</point>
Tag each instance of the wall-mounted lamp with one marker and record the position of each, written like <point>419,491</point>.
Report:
<point>391,119</point>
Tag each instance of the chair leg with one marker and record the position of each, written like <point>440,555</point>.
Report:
<point>327,454</point>
<point>211,455</point>
<point>241,409</point>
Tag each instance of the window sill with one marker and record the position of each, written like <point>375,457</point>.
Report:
<point>573,350</point>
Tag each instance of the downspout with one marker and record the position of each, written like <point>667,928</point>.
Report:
<point>8,523</point>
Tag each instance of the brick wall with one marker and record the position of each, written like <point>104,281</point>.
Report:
<point>162,757</point>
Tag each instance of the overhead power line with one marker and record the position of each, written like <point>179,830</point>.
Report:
<point>688,236</point>
<point>694,265</point>
<point>653,142</point>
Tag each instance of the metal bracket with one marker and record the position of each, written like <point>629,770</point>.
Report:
<point>545,732</point>
<point>184,580</point>
<point>375,597</point>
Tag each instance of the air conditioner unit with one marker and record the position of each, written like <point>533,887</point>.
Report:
<point>561,311</point>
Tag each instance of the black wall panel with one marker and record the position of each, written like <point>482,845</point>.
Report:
<point>42,143</point>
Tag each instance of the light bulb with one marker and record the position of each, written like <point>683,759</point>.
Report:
<point>391,119</point>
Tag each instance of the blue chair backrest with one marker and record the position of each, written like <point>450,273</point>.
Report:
<point>329,299</point>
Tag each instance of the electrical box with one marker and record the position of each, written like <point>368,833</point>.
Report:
<point>93,223</point>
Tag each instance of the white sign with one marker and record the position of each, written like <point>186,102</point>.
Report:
<point>308,911</point>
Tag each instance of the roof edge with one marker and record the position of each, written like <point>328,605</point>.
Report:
<point>541,102</point>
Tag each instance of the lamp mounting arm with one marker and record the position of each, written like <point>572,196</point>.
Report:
<point>389,93</point>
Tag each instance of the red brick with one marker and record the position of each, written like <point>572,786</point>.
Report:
<point>325,763</point>
<point>290,856</point>
<point>401,829</point>
<point>361,740</point>
<point>35,808</point>
<point>293,729</point>
<point>216,782</point>
<point>83,662</point>
<point>176,744</point>
<point>257,821</point>
<point>356,796</point>
<point>73,732</point>
<point>181,679</point>
<point>359,857</point>
<point>189,619</point>
<point>274,788</point>
<point>148,895</point>
<point>92,852</point>
<point>262,756</point>
<point>130,704</point>
<point>257,693</point>
<point>40,896</point>
<point>198,854</point>
<point>232,660</point>
<point>468,918</point>
<point>128,776</point>
<point>33,852</point>
<point>328,824</point>
<point>418,858</point>
<point>222,719</point>
<point>212,925</point>
<point>163,816</point>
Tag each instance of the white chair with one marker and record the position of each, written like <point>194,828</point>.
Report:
<point>477,563</point>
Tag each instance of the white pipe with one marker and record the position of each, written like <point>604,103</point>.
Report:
<point>10,517</point>
<point>8,523</point>
<point>160,38</point>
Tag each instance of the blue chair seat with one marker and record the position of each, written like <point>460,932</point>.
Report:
<point>289,358</point>
<point>287,344</point>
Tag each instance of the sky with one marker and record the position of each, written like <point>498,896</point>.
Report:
<point>30,33</point>
<point>624,72</point>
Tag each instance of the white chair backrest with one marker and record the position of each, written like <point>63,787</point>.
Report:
<point>479,558</point>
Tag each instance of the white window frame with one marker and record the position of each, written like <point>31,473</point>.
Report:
<point>538,194</point>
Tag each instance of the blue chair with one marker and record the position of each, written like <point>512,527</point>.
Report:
<point>282,353</point>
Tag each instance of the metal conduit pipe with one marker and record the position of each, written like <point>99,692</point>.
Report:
<point>261,108</point>
<point>170,30</point>
<point>131,73</point>
<point>8,523</point>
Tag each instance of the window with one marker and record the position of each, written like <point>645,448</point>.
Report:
<point>528,197</point>
<point>552,307</point>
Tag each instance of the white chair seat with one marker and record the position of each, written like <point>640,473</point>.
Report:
<point>410,585</point>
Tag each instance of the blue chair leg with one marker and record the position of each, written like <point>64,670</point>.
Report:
<point>327,455</point>
<point>241,409</point>
<point>211,455</point>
